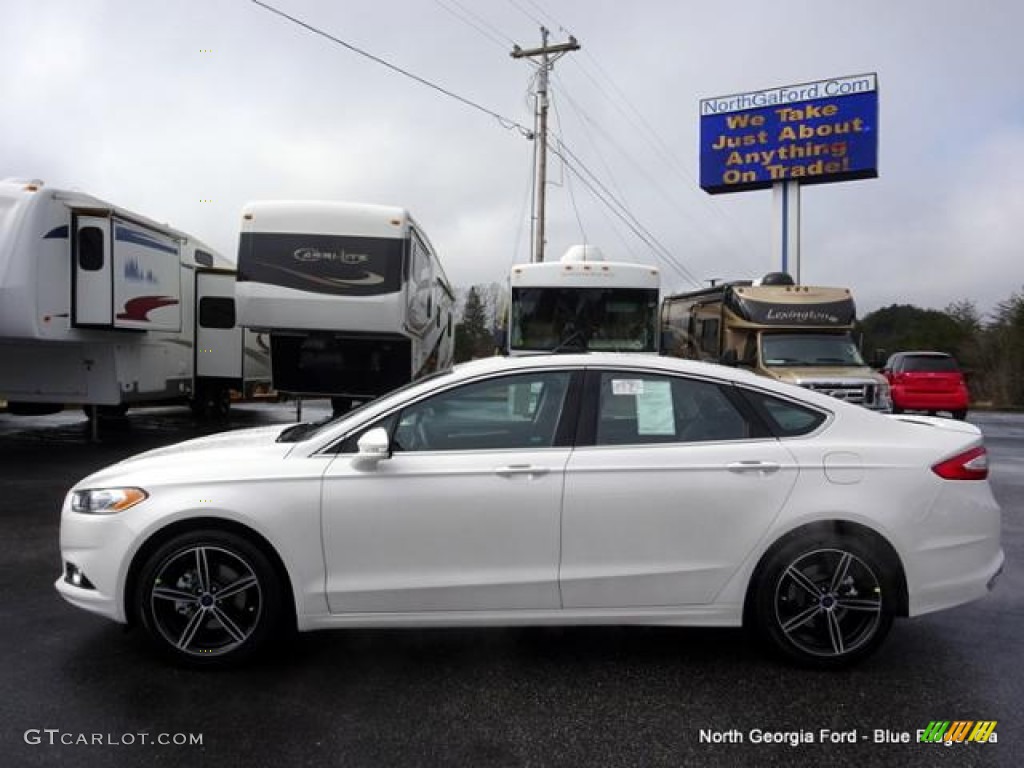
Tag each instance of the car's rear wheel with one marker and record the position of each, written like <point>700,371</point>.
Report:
<point>824,600</point>
<point>209,597</point>
<point>960,414</point>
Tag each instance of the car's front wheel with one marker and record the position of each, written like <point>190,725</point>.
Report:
<point>209,597</point>
<point>824,600</point>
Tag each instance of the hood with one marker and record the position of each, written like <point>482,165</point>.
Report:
<point>213,456</point>
<point>798,373</point>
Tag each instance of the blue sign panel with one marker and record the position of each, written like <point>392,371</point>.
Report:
<point>752,141</point>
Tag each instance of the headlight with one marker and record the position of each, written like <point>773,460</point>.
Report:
<point>106,501</point>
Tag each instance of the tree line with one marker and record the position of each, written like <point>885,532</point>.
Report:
<point>989,349</point>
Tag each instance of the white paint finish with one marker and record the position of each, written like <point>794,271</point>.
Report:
<point>665,534</point>
<point>666,524</point>
<point>843,467</point>
<point>444,531</point>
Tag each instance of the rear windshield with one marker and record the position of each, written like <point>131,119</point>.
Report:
<point>930,363</point>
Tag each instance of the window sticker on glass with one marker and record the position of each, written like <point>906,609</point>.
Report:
<point>654,413</point>
<point>627,386</point>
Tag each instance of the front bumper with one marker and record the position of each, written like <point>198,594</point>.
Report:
<point>98,547</point>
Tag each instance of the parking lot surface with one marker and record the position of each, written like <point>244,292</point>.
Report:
<point>79,690</point>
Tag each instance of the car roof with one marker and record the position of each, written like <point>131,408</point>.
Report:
<point>922,353</point>
<point>640,362</point>
<point>498,364</point>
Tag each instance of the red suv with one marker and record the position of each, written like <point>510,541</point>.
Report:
<point>926,381</point>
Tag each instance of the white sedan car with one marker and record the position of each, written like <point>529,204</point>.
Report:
<point>590,489</point>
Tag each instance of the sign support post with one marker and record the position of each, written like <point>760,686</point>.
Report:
<point>786,224</point>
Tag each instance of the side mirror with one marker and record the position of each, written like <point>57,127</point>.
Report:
<point>374,446</point>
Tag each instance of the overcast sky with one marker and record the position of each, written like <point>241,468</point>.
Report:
<point>183,110</point>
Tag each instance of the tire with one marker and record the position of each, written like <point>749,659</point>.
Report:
<point>960,414</point>
<point>107,412</point>
<point>180,598</point>
<point>211,402</point>
<point>824,600</point>
<point>897,410</point>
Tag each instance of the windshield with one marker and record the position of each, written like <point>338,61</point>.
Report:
<point>574,319</point>
<point>809,349</point>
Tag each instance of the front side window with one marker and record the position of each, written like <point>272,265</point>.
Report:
<point>420,283</point>
<point>638,408</point>
<point>521,411</point>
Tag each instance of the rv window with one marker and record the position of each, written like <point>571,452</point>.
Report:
<point>203,258</point>
<point>90,249</point>
<point>709,336</point>
<point>216,312</point>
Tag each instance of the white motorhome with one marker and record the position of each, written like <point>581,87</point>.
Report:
<point>353,297</point>
<point>583,302</point>
<point>103,307</point>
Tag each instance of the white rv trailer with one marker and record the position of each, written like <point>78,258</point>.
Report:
<point>353,296</point>
<point>103,307</point>
<point>583,302</point>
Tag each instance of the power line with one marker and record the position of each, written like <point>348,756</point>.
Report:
<point>466,16</point>
<point>654,181</point>
<point>674,162</point>
<point>568,179</point>
<point>590,180</point>
<point>505,122</point>
<point>604,163</point>
<point>526,13</point>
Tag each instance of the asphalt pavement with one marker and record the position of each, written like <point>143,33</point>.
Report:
<point>76,689</point>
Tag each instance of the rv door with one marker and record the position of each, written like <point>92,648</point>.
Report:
<point>218,338</point>
<point>93,283</point>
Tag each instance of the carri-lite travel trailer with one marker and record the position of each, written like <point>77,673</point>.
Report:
<point>353,297</point>
<point>102,307</point>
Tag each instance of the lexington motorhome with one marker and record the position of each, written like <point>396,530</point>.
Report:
<point>353,297</point>
<point>795,333</point>
<point>103,307</point>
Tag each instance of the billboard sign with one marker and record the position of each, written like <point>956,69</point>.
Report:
<point>812,133</point>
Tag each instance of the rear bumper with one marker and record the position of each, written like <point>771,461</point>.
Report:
<point>929,401</point>
<point>957,588</point>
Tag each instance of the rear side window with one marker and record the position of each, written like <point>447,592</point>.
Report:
<point>784,417</point>
<point>642,408</point>
<point>930,364</point>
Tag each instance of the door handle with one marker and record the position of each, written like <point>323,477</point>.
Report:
<point>764,467</point>
<point>521,469</point>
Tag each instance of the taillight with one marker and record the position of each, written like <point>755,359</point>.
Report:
<point>969,465</point>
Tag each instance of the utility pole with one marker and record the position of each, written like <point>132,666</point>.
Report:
<point>548,54</point>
